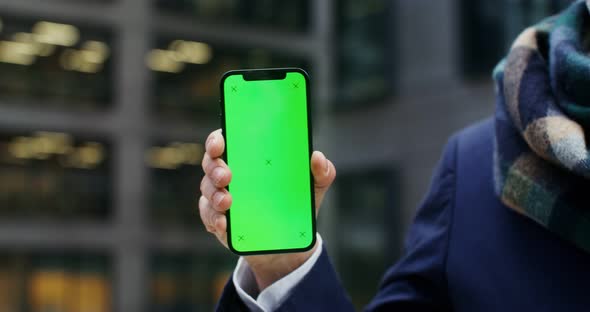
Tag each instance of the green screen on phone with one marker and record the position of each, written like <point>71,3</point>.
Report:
<point>265,117</point>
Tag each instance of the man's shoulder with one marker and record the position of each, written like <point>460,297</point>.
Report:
<point>475,139</point>
<point>470,149</point>
<point>469,157</point>
<point>473,168</point>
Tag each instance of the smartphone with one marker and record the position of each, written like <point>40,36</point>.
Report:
<point>266,123</point>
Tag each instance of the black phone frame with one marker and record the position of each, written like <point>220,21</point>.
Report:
<point>271,74</point>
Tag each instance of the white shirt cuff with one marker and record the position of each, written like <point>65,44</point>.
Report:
<point>274,295</point>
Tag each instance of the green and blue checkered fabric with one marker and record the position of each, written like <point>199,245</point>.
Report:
<point>542,161</point>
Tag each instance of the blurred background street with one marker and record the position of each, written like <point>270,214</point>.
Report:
<point>105,104</point>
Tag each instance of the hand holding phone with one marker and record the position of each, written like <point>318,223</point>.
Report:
<point>266,123</point>
<point>216,200</point>
<point>266,268</point>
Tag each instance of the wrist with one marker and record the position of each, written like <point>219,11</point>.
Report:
<point>268,269</point>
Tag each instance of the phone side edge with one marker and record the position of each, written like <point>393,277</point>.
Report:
<point>310,148</point>
<point>224,155</point>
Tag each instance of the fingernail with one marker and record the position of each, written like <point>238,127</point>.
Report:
<point>218,197</point>
<point>211,142</point>
<point>217,174</point>
<point>326,166</point>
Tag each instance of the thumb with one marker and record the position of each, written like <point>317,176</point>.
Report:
<point>324,173</point>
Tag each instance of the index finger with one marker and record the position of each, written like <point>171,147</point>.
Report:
<point>215,144</point>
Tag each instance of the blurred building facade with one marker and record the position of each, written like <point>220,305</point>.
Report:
<point>105,104</point>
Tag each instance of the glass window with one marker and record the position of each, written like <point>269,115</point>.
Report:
<point>187,281</point>
<point>39,282</point>
<point>368,236</point>
<point>364,52</point>
<point>290,15</point>
<point>187,75</point>
<point>175,173</point>
<point>54,174</point>
<point>54,65</point>
<point>501,22</point>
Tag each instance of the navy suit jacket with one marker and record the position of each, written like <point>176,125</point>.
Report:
<point>465,251</point>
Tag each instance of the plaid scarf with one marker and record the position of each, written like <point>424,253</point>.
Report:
<point>541,158</point>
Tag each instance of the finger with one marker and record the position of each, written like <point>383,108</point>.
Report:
<point>215,144</point>
<point>222,201</point>
<point>210,217</point>
<point>215,222</point>
<point>221,229</point>
<point>212,193</point>
<point>324,173</point>
<point>217,171</point>
<point>204,213</point>
<point>322,169</point>
<point>206,161</point>
<point>219,198</point>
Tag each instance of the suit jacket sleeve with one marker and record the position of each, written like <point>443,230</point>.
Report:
<point>416,283</point>
<point>319,290</point>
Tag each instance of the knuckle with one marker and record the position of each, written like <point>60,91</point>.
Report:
<point>202,202</point>
<point>218,176</point>
<point>212,219</point>
<point>220,202</point>
<point>213,164</point>
<point>208,189</point>
<point>203,208</point>
<point>226,202</point>
<point>210,166</point>
<point>205,161</point>
<point>227,178</point>
<point>202,186</point>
